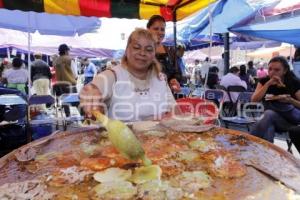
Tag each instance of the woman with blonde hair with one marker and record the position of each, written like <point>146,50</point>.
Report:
<point>134,90</point>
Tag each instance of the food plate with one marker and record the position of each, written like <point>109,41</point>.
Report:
<point>216,164</point>
<point>271,97</point>
<point>188,124</point>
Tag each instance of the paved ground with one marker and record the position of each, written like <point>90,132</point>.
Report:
<point>283,145</point>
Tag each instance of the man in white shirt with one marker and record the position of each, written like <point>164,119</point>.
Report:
<point>220,65</point>
<point>196,76</point>
<point>232,79</point>
<point>74,67</point>
<point>205,67</point>
<point>90,71</point>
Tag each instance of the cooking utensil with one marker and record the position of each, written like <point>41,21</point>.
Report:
<point>123,138</point>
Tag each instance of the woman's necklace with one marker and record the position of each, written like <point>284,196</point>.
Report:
<point>141,87</point>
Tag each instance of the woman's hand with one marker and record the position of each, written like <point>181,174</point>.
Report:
<point>285,98</point>
<point>275,80</point>
<point>90,99</point>
<point>174,85</point>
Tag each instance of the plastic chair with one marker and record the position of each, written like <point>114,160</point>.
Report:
<point>241,118</point>
<point>12,120</point>
<point>230,106</point>
<point>69,99</point>
<point>199,107</point>
<point>216,96</point>
<point>43,120</point>
<point>234,88</point>
<point>198,92</point>
<point>184,92</point>
<point>11,99</point>
<point>221,87</point>
<point>60,88</point>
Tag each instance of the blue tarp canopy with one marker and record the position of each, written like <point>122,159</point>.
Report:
<point>224,13</point>
<point>283,30</point>
<point>279,21</point>
<point>201,41</point>
<point>246,45</point>
<point>194,33</point>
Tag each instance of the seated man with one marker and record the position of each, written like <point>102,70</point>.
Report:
<point>232,79</point>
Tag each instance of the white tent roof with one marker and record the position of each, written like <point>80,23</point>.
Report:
<point>283,50</point>
<point>112,34</point>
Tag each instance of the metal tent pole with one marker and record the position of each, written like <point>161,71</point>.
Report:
<point>28,51</point>
<point>175,36</point>
<point>8,53</point>
<point>226,52</point>
<point>210,43</point>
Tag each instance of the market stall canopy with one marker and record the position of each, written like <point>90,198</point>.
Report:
<point>223,13</point>
<point>279,23</point>
<point>76,52</point>
<point>202,41</point>
<point>201,54</point>
<point>141,9</point>
<point>48,24</point>
<point>253,45</point>
<point>283,50</point>
<point>112,34</point>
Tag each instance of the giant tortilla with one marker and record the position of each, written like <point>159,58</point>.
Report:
<point>217,164</point>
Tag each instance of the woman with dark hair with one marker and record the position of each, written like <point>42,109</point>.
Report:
<point>296,62</point>
<point>243,75</point>
<point>16,77</point>
<point>246,77</point>
<point>213,77</point>
<point>280,93</point>
<point>297,54</point>
<point>165,55</point>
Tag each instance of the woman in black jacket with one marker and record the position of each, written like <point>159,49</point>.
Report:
<point>165,55</point>
<point>280,93</point>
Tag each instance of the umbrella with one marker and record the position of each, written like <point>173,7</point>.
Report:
<point>48,24</point>
<point>278,21</point>
<point>283,30</point>
<point>142,9</point>
<point>44,23</point>
<point>201,41</point>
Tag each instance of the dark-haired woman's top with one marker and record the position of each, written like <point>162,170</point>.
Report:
<point>286,110</point>
<point>212,80</point>
<point>246,78</point>
<point>168,67</point>
<point>291,87</point>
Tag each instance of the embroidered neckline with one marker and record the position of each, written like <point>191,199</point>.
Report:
<point>141,87</point>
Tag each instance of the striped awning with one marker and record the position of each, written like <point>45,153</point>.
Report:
<point>140,9</point>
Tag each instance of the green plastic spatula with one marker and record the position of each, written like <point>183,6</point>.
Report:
<point>123,138</point>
